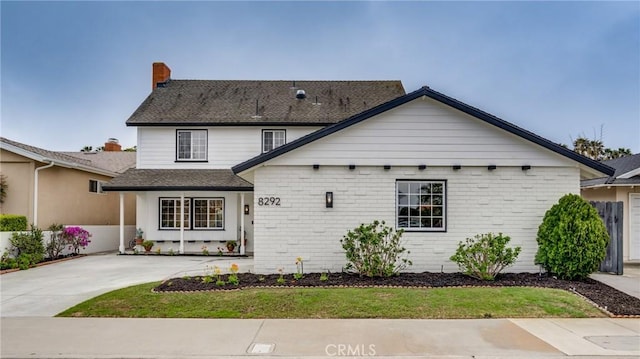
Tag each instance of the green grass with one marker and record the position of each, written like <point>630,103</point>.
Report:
<point>499,302</point>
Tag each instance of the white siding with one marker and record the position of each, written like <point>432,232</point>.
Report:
<point>506,200</point>
<point>148,214</point>
<point>227,146</point>
<point>423,132</point>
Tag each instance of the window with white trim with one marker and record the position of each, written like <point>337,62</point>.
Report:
<point>421,205</point>
<point>272,139</point>
<point>95,186</point>
<point>170,212</point>
<point>208,213</point>
<point>191,145</point>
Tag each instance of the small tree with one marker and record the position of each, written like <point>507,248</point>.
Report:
<point>76,238</point>
<point>57,241</point>
<point>4,187</point>
<point>572,239</point>
<point>485,255</point>
<point>374,250</point>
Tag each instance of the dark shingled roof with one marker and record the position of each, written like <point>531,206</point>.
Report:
<point>622,165</point>
<point>111,161</point>
<point>245,102</point>
<point>177,179</point>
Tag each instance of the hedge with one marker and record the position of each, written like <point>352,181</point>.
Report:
<point>12,223</point>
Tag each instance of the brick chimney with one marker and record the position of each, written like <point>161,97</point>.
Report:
<point>112,145</point>
<point>161,74</point>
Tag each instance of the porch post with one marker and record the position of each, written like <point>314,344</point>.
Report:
<point>181,223</point>
<point>242,223</point>
<point>121,248</point>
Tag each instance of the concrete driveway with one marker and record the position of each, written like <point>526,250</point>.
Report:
<point>47,290</point>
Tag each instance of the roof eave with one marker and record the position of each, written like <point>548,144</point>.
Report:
<point>223,124</point>
<point>60,163</point>
<point>108,188</point>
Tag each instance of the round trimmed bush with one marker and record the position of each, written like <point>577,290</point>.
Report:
<point>572,239</point>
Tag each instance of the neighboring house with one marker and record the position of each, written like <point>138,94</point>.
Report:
<point>622,186</point>
<point>63,187</point>
<point>296,164</point>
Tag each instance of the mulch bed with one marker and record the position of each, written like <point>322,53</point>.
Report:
<point>610,300</point>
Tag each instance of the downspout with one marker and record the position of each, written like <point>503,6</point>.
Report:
<point>35,190</point>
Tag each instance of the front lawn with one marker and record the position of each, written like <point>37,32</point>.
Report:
<point>392,303</point>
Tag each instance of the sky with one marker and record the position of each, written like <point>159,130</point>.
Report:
<point>71,73</point>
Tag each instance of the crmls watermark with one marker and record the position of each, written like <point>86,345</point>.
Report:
<point>344,350</point>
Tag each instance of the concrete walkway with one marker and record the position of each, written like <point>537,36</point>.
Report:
<point>47,290</point>
<point>628,282</point>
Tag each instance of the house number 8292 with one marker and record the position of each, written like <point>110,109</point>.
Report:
<point>268,201</point>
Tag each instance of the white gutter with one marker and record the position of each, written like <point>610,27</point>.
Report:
<point>35,189</point>
<point>632,185</point>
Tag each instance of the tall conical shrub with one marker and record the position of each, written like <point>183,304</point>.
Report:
<point>572,239</point>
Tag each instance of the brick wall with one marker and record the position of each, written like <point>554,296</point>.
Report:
<point>506,200</point>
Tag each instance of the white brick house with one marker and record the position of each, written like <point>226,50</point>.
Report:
<point>424,162</point>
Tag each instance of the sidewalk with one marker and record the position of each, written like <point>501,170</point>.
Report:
<point>199,338</point>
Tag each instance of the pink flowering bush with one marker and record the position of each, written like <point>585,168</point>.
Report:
<point>77,238</point>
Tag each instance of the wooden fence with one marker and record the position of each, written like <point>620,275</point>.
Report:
<point>611,214</point>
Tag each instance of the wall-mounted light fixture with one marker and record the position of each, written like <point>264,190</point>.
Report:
<point>457,167</point>
<point>526,167</point>
<point>387,167</point>
<point>352,167</point>
<point>246,209</point>
<point>316,166</point>
<point>491,167</point>
<point>422,167</point>
<point>328,199</point>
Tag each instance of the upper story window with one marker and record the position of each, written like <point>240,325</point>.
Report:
<point>273,139</point>
<point>95,186</point>
<point>191,145</point>
<point>421,205</point>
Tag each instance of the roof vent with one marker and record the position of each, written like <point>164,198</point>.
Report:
<point>300,94</point>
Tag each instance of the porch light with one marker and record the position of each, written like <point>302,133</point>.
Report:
<point>491,167</point>
<point>422,167</point>
<point>387,167</point>
<point>457,167</point>
<point>316,166</point>
<point>352,167</point>
<point>526,167</point>
<point>328,198</point>
<point>246,209</point>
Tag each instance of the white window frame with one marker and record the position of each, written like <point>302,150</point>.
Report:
<point>98,186</point>
<point>273,144</point>
<point>198,146</point>
<point>208,214</point>
<point>431,207</point>
<point>176,213</point>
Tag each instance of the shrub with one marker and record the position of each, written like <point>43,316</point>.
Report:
<point>12,223</point>
<point>572,239</point>
<point>375,250</point>
<point>7,262</point>
<point>485,255</point>
<point>76,238</point>
<point>56,243</point>
<point>27,247</point>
